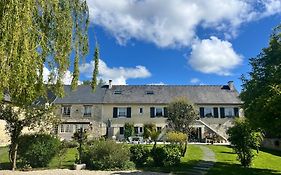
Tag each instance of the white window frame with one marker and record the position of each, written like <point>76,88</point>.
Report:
<point>227,111</point>
<point>87,110</point>
<point>124,113</point>
<point>155,111</point>
<point>208,110</point>
<point>66,110</point>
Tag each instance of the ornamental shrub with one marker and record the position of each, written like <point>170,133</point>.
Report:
<point>168,155</point>
<point>244,139</point>
<point>37,150</point>
<point>106,155</point>
<point>139,154</point>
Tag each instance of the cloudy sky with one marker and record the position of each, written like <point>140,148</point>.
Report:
<point>178,41</point>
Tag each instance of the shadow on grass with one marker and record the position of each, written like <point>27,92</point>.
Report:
<point>271,151</point>
<point>222,168</point>
<point>5,166</point>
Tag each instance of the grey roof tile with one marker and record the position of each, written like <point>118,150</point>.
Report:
<point>162,94</point>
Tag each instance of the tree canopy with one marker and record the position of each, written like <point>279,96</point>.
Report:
<point>261,91</point>
<point>38,34</point>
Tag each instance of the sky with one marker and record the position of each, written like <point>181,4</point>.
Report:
<point>177,42</point>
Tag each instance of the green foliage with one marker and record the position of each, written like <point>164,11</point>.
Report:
<point>95,71</point>
<point>129,130</point>
<point>181,114</point>
<point>168,155</point>
<point>37,150</point>
<point>148,129</point>
<point>106,155</point>
<point>261,91</point>
<point>176,137</point>
<point>139,154</point>
<point>244,138</point>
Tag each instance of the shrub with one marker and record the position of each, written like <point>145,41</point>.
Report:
<point>139,154</point>
<point>129,130</point>
<point>106,155</point>
<point>168,155</point>
<point>37,150</point>
<point>244,138</point>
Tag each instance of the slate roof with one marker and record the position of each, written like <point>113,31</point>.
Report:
<point>82,95</point>
<point>162,94</point>
<point>200,94</point>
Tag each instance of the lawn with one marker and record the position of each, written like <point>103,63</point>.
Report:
<point>191,158</point>
<point>265,163</point>
<point>66,161</point>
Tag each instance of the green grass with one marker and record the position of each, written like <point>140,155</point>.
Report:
<point>191,158</point>
<point>66,162</point>
<point>4,158</point>
<point>265,163</point>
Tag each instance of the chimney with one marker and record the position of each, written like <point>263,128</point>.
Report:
<point>231,85</point>
<point>109,84</point>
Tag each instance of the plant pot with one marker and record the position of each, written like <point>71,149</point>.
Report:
<point>79,166</point>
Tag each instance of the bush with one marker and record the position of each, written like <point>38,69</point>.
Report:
<point>106,155</point>
<point>244,138</point>
<point>139,154</point>
<point>71,144</point>
<point>168,155</point>
<point>37,150</point>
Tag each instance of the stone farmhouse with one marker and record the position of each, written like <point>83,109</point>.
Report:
<point>105,111</point>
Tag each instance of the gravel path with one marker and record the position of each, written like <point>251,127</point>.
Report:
<point>77,172</point>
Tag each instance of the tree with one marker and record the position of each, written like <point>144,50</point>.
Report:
<point>181,115</point>
<point>261,91</point>
<point>129,130</point>
<point>96,68</point>
<point>150,132</point>
<point>35,35</point>
<point>244,139</point>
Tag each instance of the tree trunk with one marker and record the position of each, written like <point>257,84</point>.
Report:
<point>13,155</point>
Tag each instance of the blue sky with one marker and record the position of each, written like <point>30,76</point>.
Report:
<point>178,42</point>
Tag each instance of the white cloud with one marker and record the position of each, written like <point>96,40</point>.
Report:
<point>194,80</point>
<point>173,23</point>
<point>67,78</point>
<point>160,83</point>
<point>214,56</point>
<point>118,75</point>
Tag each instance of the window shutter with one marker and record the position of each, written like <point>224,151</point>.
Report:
<point>236,112</point>
<point>114,112</point>
<point>201,112</point>
<point>222,112</point>
<point>216,112</point>
<point>152,110</point>
<point>128,112</point>
<point>165,112</point>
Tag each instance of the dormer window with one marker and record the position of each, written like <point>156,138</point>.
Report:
<point>118,92</point>
<point>149,92</point>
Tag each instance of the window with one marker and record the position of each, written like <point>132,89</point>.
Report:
<point>141,129</point>
<point>61,128</point>
<point>149,92</point>
<point>69,128</point>
<point>122,112</point>
<point>87,110</point>
<point>121,130</point>
<point>159,129</point>
<point>208,112</point>
<point>229,112</point>
<point>141,110</point>
<point>159,112</point>
<point>118,92</point>
<point>66,110</point>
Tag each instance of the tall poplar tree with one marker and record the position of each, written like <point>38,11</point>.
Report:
<point>96,68</point>
<point>35,35</point>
